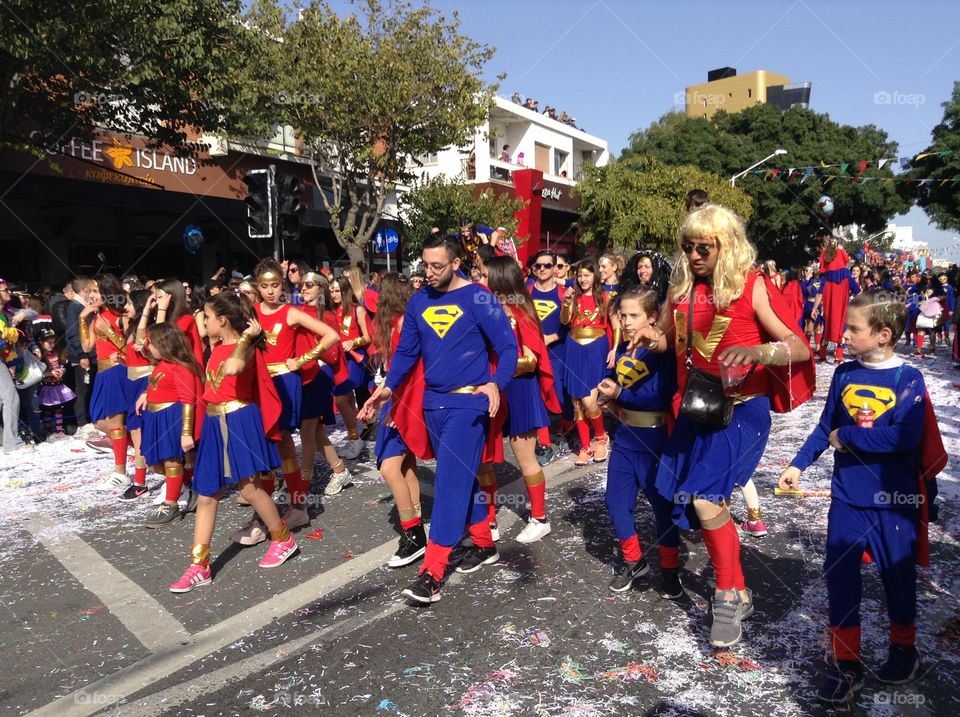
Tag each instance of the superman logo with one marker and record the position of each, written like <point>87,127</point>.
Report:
<point>271,336</point>
<point>630,370</point>
<point>705,345</point>
<point>154,380</point>
<point>878,398</point>
<point>441,318</point>
<point>544,307</point>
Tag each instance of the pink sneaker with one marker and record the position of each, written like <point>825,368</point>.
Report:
<point>278,553</point>
<point>194,577</point>
<point>756,528</point>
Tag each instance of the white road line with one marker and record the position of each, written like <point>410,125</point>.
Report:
<point>121,684</point>
<point>145,618</point>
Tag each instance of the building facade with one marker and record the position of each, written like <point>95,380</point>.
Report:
<point>726,90</point>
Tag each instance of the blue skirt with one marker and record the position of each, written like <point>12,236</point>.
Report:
<point>291,400</point>
<point>109,395</point>
<point>708,463</point>
<point>134,390</point>
<point>232,447</point>
<point>161,434</point>
<point>359,376</point>
<point>584,366</point>
<point>525,409</point>
<point>318,398</point>
<point>389,443</point>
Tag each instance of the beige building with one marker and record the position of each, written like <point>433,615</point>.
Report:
<point>726,90</point>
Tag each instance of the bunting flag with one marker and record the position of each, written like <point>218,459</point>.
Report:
<point>861,166</point>
<point>773,175</point>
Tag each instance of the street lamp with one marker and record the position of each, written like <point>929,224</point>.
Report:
<point>735,177</point>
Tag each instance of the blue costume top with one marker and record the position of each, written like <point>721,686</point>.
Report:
<point>881,461</point>
<point>647,382</point>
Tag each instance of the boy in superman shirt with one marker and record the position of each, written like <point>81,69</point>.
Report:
<point>878,418</point>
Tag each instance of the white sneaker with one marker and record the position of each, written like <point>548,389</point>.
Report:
<point>350,449</point>
<point>252,533</point>
<point>296,517</point>
<point>114,483</point>
<point>338,481</point>
<point>534,531</point>
<point>494,531</point>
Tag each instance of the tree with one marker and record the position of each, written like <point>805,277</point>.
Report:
<point>444,203</point>
<point>935,182</point>
<point>785,220</point>
<point>159,69</point>
<point>365,94</point>
<point>638,202</point>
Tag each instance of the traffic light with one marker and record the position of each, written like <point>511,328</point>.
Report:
<point>259,201</point>
<point>290,190</point>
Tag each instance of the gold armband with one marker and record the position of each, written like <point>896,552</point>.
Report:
<point>566,313</point>
<point>360,342</point>
<point>774,354</point>
<point>525,365</point>
<point>115,338</point>
<point>617,336</point>
<point>189,416</point>
<point>84,329</point>
<point>311,355</point>
<point>240,350</point>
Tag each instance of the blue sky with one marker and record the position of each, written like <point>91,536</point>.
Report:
<point>617,65</point>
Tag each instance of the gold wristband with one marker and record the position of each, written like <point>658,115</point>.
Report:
<point>115,338</point>
<point>617,336</point>
<point>566,313</point>
<point>311,355</point>
<point>84,329</point>
<point>360,342</point>
<point>240,350</point>
<point>525,365</point>
<point>189,416</point>
<point>768,353</point>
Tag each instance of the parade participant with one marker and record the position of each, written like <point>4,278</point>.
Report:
<point>395,461</point>
<point>836,294</point>
<point>718,441</point>
<point>949,302</point>
<point>929,296</point>
<point>354,335</point>
<point>647,268</point>
<point>695,199</point>
<point>242,414</point>
<point>610,266</point>
<point>101,330</point>
<point>319,378</point>
<point>888,450</point>
<point>641,386</point>
<point>138,371</point>
<point>453,319</point>
<point>562,269</point>
<point>54,393</point>
<point>585,360</point>
<point>172,306</point>
<point>527,397</point>
<point>168,412</point>
<point>281,323</point>
<point>812,287</point>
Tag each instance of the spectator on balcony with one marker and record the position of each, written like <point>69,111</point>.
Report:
<point>550,112</point>
<point>564,117</point>
<point>516,98</point>
<point>505,154</point>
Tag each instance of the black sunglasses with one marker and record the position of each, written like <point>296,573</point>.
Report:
<point>703,250</point>
<point>543,266</point>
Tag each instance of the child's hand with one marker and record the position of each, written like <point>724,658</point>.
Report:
<point>835,441</point>
<point>186,443</point>
<point>611,357</point>
<point>253,329</point>
<point>141,403</point>
<point>789,479</point>
<point>163,301</point>
<point>568,296</point>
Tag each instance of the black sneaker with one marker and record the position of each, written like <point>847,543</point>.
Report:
<point>425,589</point>
<point>842,684</point>
<point>165,514</point>
<point>476,558</point>
<point>670,587</point>
<point>133,492</point>
<point>902,665</point>
<point>544,454</point>
<point>191,503</point>
<point>413,544</point>
<point>627,573</point>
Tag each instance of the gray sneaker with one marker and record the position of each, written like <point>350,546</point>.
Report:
<point>728,611</point>
<point>338,481</point>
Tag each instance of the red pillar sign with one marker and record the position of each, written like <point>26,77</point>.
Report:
<point>528,184</point>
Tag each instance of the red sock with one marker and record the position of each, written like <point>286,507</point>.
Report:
<point>597,422</point>
<point>669,558</point>
<point>839,354</point>
<point>408,524</point>
<point>723,544</point>
<point>583,433</point>
<point>297,487</point>
<point>538,500</point>
<point>174,484</point>
<point>488,484</point>
<point>823,352</point>
<point>435,560</point>
<point>543,435</point>
<point>817,337</point>
<point>480,532</point>
<point>268,483</point>
<point>630,548</point>
<point>118,439</point>
<point>846,643</point>
<point>140,475</point>
<point>919,341</point>
<point>903,635</point>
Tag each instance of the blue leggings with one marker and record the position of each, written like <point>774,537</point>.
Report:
<point>629,473</point>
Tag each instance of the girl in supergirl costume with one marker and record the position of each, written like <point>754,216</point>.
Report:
<point>319,378</point>
<point>236,439</point>
<point>733,314</point>
<point>354,335</point>
<point>108,402</point>
<point>167,409</point>
<point>836,294</point>
<point>395,460</point>
<point>527,397</point>
<point>641,387</point>
<point>585,312</point>
<point>138,370</point>
<point>281,323</point>
<point>173,306</point>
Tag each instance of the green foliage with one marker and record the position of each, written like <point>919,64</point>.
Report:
<point>785,219</point>
<point>939,199</point>
<point>638,202</point>
<point>444,203</point>
<point>157,69</point>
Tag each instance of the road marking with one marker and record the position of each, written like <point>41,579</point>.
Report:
<point>121,684</point>
<point>145,618</point>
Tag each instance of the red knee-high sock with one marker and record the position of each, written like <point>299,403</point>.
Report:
<point>597,422</point>
<point>630,548</point>
<point>488,484</point>
<point>839,354</point>
<point>537,490</point>
<point>669,558</point>
<point>583,433</point>
<point>823,351</point>
<point>118,439</point>
<point>543,436</point>
<point>480,532</point>
<point>723,544</point>
<point>412,523</point>
<point>268,482</point>
<point>846,643</point>
<point>919,339</point>
<point>817,337</point>
<point>903,635</point>
<point>140,471</point>
<point>435,560</point>
<point>173,475</point>
<point>296,485</point>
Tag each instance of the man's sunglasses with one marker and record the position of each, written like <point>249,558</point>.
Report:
<point>703,250</point>
<point>543,266</point>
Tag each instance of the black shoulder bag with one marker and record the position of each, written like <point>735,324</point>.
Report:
<point>703,399</point>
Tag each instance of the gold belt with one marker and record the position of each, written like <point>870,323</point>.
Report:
<point>160,406</point>
<point>222,409</point>
<point>643,419</point>
<point>278,369</point>
<point>104,364</point>
<point>586,334</point>
<point>138,372</point>
<point>465,389</point>
<point>743,399</point>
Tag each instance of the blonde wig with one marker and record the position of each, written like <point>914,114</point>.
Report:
<point>736,258</point>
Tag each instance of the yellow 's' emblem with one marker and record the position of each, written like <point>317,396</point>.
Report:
<point>630,370</point>
<point>271,336</point>
<point>544,308</point>
<point>154,380</point>
<point>441,318</point>
<point>705,346</point>
<point>877,398</point>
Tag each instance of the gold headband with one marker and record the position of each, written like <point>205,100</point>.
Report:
<point>268,275</point>
<point>312,276</point>
<point>94,284</point>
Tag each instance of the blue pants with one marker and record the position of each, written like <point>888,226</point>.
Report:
<point>891,535</point>
<point>457,436</point>
<point>629,473</point>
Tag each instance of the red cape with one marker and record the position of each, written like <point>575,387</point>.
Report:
<point>407,413</point>
<point>267,397</point>
<point>793,299</point>
<point>933,459</point>
<point>790,386</point>
<point>531,336</point>
<point>188,325</point>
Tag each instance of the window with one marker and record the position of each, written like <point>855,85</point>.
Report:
<point>428,158</point>
<point>560,161</point>
<point>749,93</point>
